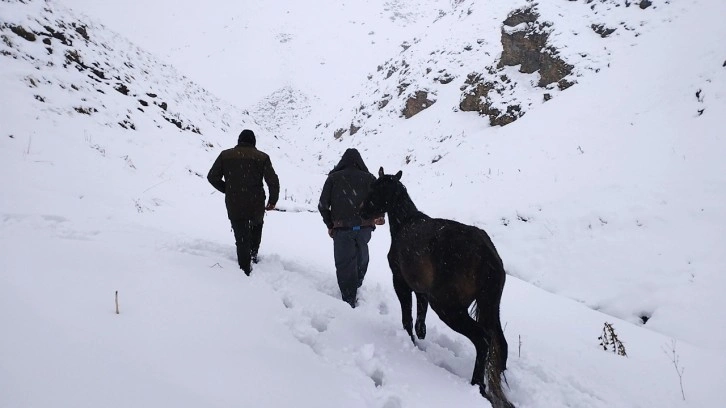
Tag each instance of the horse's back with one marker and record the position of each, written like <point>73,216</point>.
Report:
<point>438,235</point>
<point>447,256</point>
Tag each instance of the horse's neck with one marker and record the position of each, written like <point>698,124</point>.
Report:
<point>402,213</point>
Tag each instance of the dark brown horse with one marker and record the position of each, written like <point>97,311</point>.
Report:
<point>451,266</point>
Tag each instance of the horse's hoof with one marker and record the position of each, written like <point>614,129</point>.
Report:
<point>421,331</point>
<point>408,328</point>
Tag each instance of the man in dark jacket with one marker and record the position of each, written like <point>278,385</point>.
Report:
<point>343,193</point>
<point>238,173</point>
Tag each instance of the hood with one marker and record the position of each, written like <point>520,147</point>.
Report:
<point>351,159</point>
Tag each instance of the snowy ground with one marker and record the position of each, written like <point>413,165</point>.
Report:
<point>605,203</point>
<point>193,331</point>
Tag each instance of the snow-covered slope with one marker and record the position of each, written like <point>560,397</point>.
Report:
<point>605,204</point>
<point>501,59</point>
<point>617,175</point>
<point>72,82</point>
<point>244,51</point>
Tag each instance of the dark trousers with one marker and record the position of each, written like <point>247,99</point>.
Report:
<point>350,249</point>
<point>247,237</point>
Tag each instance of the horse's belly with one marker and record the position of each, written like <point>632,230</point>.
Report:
<point>418,273</point>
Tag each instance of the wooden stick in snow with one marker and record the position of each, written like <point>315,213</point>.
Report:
<point>117,312</point>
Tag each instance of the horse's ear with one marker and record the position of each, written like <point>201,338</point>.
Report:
<point>380,172</point>
<point>398,175</point>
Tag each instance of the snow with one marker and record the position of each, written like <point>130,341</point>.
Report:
<point>605,203</point>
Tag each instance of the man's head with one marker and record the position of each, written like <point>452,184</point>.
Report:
<point>247,136</point>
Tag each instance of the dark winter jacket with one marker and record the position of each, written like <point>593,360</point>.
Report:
<point>238,173</point>
<point>344,191</point>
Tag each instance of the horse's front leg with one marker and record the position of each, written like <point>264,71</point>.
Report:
<point>422,306</point>
<point>403,291</point>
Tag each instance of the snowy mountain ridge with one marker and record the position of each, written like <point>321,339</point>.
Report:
<point>78,73</point>
<point>554,42</point>
<point>89,62</point>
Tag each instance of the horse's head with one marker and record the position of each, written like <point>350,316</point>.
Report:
<point>382,195</point>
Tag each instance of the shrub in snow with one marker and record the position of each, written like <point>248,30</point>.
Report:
<point>609,340</point>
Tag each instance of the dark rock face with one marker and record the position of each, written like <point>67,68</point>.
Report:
<point>122,89</point>
<point>476,99</point>
<point>519,48</point>
<point>384,102</point>
<point>81,29</point>
<point>518,17</point>
<point>602,30</point>
<point>477,92</point>
<point>23,33</point>
<point>417,103</point>
<point>524,43</point>
<point>444,77</point>
<point>553,69</point>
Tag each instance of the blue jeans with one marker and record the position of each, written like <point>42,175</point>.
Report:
<point>350,248</point>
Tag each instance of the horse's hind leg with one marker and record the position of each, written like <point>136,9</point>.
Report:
<point>460,321</point>
<point>422,306</point>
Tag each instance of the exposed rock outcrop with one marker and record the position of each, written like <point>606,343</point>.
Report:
<point>476,98</point>
<point>417,103</point>
<point>524,43</point>
<point>602,30</point>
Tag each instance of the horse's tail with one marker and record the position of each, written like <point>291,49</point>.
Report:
<point>485,310</point>
<point>498,346</point>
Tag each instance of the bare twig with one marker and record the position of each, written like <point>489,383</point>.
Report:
<point>675,359</point>
<point>117,312</point>
<point>155,185</point>
<point>30,141</point>
<point>519,352</point>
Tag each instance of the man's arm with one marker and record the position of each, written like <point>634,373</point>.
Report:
<point>324,203</point>
<point>215,175</point>
<point>273,184</point>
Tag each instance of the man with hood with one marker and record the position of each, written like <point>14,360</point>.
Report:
<point>238,174</point>
<point>343,193</point>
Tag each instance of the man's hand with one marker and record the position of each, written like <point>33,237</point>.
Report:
<point>270,207</point>
<point>331,232</point>
<point>379,221</point>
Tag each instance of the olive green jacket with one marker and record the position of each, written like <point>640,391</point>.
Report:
<point>238,173</point>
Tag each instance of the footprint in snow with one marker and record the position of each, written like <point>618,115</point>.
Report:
<point>383,308</point>
<point>287,301</point>
<point>320,322</point>
<point>371,365</point>
<point>393,402</point>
